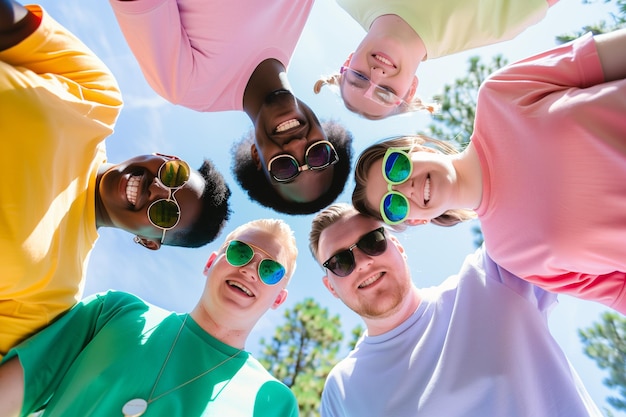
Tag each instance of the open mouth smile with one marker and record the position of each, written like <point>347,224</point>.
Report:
<point>287,125</point>
<point>240,287</point>
<point>371,280</point>
<point>132,189</point>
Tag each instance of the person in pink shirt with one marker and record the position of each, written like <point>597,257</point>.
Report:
<point>544,171</point>
<point>213,56</point>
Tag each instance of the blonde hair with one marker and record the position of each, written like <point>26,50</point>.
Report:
<point>414,143</point>
<point>278,229</point>
<point>324,219</point>
<point>416,103</point>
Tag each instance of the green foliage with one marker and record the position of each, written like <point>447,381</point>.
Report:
<point>455,120</point>
<point>605,342</point>
<point>303,351</point>
<point>616,21</point>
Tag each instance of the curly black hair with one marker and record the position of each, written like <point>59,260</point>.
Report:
<point>215,211</point>
<point>259,188</point>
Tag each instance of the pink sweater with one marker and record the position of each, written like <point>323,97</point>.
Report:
<point>201,53</point>
<point>551,137</point>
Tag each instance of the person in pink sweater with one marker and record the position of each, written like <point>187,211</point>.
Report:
<point>212,56</point>
<point>544,171</point>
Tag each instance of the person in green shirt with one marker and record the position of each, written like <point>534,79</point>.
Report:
<point>114,354</point>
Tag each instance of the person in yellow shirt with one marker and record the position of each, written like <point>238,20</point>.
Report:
<point>58,103</point>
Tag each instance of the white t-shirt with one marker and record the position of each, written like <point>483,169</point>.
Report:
<point>478,345</point>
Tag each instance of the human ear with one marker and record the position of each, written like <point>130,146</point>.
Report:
<point>254,152</point>
<point>280,298</point>
<point>209,263</point>
<point>412,89</point>
<point>147,243</point>
<point>347,62</point>
<point>329,286</point>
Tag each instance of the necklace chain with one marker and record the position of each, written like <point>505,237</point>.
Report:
<point>150,399</point>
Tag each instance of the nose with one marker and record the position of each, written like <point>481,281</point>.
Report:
<point>296,147</point>
<point>376,74</point>
<point>362,260</point>
<point>250,270</point>
<point>158,191</point>
<point>405,188</point>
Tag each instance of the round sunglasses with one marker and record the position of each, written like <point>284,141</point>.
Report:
<point>397,167</point>
<point>165,213</point>
<point>240,253</point>
<point>319,155</point>
<point>371,90</point>
<point>343,263</point>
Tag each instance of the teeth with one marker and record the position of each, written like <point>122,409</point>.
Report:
<point>427,190</point>
<point>241,287</point>
<point>289,124</point>
<point>383,60</point>
<point>371,280</point>
<point>132,189</point>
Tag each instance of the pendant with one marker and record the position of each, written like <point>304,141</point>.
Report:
<point>135,407</point>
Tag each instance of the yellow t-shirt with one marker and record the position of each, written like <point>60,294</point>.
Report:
<point>450,26</point>
<point>58,102</point>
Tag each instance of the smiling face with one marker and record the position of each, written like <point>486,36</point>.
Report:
<point>126,190</point>
<point>387,56</point>
<point>379,285</point>
<point>430,187</point>
<point>236,296</point>
<point>286,125</point>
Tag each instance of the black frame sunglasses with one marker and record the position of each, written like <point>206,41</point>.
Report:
<point>342,263</point>
<point>319,155</point>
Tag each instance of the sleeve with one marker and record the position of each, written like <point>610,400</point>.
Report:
<point>542,300</point>
<point>155,34</point>
<point>48,355</point>
<point>332,403</point>
<point>275,399</point>
<point>572,65</point>
<point>53,57</point>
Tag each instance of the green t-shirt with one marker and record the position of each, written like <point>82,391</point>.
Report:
<point>110,349</point>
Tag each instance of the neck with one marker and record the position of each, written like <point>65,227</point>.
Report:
<point>270,75</point>
<point>226,334</point>
<point>102,217</point>
<point>379,325</point>
<point>470,179</point>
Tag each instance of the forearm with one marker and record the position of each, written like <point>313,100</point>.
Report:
<point>16,23</point>
<point>612,52</point>
<point>11,388</point>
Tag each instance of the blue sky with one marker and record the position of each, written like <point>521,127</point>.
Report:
<point>172,277</point>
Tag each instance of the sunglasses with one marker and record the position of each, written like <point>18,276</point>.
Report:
<point>374,92</point>
<point>319,155</point>
<point>397,168</point>
<point>165,213</point>
<point>343,263</point>
<point>239,253</point>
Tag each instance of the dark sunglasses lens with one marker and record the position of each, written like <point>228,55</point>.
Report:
<point>373,243</point>
<point>284,168</point>
<point>270,271</point>
<point>342,264</point>
<point>239,253</point>
<point>396,207</point>
<point>318,155</point>
<point>397,167</point>
<point>164,214</point>
<point>174,173</point>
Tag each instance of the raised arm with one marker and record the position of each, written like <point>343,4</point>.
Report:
<point>11,388</point>
<point>612,52</point>
<point>16,23</point>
